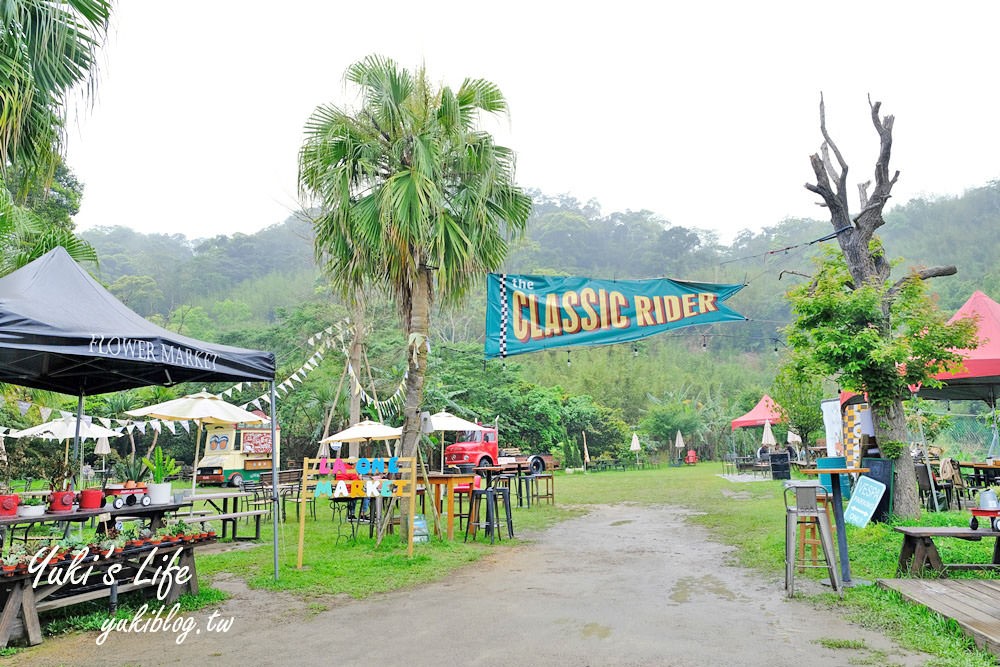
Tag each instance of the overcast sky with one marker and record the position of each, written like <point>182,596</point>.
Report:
<point>703,112</point>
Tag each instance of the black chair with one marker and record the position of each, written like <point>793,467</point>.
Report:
<point>926,489</point>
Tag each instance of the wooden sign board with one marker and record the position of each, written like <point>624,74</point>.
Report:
<point>864,501</point>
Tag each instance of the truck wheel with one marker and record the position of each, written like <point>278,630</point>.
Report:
<point>236,480</point>
<point>537,466</point>
<point>484,462</point>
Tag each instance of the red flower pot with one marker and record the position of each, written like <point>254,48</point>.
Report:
<point>91,499</point>
<point>61,501</point>
<point>8,504</point>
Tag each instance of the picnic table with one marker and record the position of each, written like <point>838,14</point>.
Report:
<point>920,551</point>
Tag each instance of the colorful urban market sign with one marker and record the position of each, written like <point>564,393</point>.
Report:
<point>531,313</point>
<point>380,480</point>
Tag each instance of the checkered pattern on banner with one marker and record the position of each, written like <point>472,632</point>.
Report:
<point>852,434</point>
<point>504,315</point>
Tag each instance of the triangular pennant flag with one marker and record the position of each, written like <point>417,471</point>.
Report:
<point>130,426</point>
<point>123,422</point>
<point>186,426</point>
<point>265,398</point>
<point>45,412</point>
<point>155,425</point>
<point>238,386</point>
<point>65,415</point>
<point>328,330</point>
<point>87,419</point>
<point>141,426</point>
<point>227,393</point>
<point>311,340</point>
<point>170,426</point>
<point>256,403</point>
<point>105,422</point>
<point>23,407</point>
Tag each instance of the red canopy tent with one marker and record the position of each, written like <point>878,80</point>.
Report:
<point>766,410</point>
<point>980,377</point>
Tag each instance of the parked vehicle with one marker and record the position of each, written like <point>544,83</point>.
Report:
<point>235,454</point>
<point>481,448</point>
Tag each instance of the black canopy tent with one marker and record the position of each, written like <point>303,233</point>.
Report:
<point>60,330</point>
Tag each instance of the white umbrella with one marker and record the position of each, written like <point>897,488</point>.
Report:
<point>364,431</point>
<point>679,446</point>
<point>201,408</point>
<point>65,429</point>
<point>768,438</point>
<point>445,421</point>
<point>103,448</point>
<point>793,438</point>
<point>635,447</point>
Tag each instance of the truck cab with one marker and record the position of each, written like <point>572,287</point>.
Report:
<point>235,453</point>
<point>482,448</point>
<point>478,448</point>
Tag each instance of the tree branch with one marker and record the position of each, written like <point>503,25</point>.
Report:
<point>923,274</point>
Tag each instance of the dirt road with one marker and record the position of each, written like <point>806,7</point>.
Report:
<point>625,585</point>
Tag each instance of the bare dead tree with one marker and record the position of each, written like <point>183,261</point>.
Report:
<point>868,264</point>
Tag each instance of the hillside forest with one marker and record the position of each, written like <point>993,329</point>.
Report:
<point>263,291</point>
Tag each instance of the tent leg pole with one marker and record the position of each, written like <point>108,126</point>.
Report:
<point>275,464</point>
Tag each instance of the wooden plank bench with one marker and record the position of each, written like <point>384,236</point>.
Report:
<point>233,519</point>
<point>919,551</point>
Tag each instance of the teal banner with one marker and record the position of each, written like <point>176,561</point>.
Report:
<point>532,313</point>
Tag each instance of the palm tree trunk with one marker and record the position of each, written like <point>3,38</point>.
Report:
<point>420,321</point>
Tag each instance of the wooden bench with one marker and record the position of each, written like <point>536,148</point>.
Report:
<point>919,550</point>
<point>233,519</point>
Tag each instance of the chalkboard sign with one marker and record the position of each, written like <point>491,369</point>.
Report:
<point>881,470</point>
<point>864,501</point>
<point>780,467</point>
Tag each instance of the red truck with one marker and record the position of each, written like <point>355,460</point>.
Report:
<point>481,448</point>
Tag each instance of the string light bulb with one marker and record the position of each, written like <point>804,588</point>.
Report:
<point>569,362</point>
<point>704,343</point>
<point>635,351</point>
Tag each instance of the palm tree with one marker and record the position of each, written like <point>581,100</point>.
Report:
<point>47,49</point>
<point>414,199</point>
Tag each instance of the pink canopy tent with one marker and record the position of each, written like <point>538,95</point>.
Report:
<point>766,410</point>
<point>979,378</point>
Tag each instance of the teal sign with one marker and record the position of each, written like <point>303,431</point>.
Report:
<point>864,501</point>
<point>531,313</point>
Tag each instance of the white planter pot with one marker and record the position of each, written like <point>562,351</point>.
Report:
<point>31,510</point>
<point>159,494</point>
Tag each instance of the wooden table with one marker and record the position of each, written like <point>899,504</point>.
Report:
<point>984,474</point>
<point>838,513</point>
<point>225,497</point>
<point>154,513</point>
<point>919,550</point>
<point>446,483</point>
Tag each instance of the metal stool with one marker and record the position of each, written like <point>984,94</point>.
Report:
<point>809,531</point>
<point>806,509</point>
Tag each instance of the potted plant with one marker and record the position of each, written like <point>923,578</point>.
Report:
<point>31,506</point>
<point>10,562</point>
<point>58,473</point>
<point>160,467</point>
<point>131,472</point>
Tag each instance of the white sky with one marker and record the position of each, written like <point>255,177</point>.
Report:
<point>703,112</point>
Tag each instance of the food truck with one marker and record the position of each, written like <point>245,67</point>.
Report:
<point>234,453</point>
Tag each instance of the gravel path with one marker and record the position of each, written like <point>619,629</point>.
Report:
<point>624,585</point>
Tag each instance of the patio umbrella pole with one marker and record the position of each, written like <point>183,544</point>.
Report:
<point>76,436</point>
<point>197,444</point>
